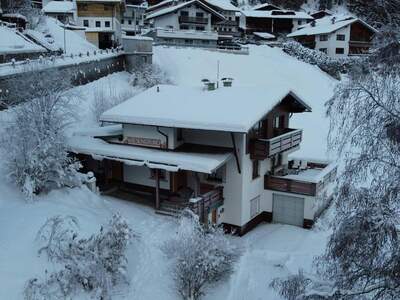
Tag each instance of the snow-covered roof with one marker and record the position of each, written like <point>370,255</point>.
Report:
<point>152,158</point>
<point>174,8</point>
<point>59,7</point>
<point>231,109</point>
<point>264,35</point>
<point>16,16</point>
<point>327,25</point>
<point>222,4</point>
<point>12,41</point>
<point>261,6</point>
<point>277,14</point>
<point>100,1</point>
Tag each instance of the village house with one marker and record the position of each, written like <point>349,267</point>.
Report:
<point>64,11</point>
<point>337,37</point>
<point>102,20</point>
<point>276,22</point>
<point>133,18</point>
<point>209,150</point>
<point>187,23</point>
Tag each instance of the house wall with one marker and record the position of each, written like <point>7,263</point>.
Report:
<point>134,16</point>
<point>141,175</point>
<point>332,43</point>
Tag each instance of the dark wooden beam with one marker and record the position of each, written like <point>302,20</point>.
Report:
<point>235,152</point>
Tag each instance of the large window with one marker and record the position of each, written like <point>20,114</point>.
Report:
<point>339,50</point>
<point>199,15</point>
<point>162,174</point>
<point>340,37</point>
<point>107,24</point>
<point>98,24</point>
<point>254,206</point>
<point>256,169</point>
<point>86,23</point>
<point>200,28</point>
<point>323,37</point>
<point>184,13</point>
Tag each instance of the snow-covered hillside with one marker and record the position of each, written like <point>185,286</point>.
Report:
<point>269,251</point>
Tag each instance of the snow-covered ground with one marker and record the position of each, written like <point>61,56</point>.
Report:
<point>269,251</point>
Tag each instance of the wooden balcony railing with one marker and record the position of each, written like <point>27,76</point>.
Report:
<point>290,186</point>
<point>195,20</point>
<point>285,140</point>
<point>204,203</point>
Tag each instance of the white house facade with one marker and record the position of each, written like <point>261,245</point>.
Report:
<point>132,21</point>
<point>222,157</point>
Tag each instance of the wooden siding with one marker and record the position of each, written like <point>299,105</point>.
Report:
<point>99,10</point>
<point>289,186</point>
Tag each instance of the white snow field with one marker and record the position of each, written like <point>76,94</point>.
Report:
<point>269,251</point>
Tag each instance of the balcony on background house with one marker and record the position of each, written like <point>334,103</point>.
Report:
<point>283,140</point>
<point>194,20</point>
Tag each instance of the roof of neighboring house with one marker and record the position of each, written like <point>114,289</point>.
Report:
<point>100,1</point>
<point>322,12</point>
<point>12,41</point>
<point>59,7</point>
<point>328,25</point>
<point>15,16</point>
<point>231,109</point>
<point>264,35</point>
<point>160,5</point>
<point>261,6</point>
<point>174,8</point>
<point>277,14</point>
<point>222,4</point>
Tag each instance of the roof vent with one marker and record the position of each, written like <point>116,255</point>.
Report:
<point>227,81</point>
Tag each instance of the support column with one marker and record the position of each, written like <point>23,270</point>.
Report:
<point>157,171</point>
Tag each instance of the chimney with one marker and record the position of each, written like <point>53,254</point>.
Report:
<point>227,81</point>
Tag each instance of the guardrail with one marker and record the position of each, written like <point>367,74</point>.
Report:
<point>204,203</point>
<point>220,48</point>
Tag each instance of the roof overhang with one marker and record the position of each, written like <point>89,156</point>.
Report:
<point>151,158</point>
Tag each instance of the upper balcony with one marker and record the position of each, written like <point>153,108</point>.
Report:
<point>194,20</point>
<point>283,140</point>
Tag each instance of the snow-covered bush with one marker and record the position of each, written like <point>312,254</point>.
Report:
<point>34,143</point>
<point>93,265</point>
<point>148,76</point>
<point>199,256</point>
<point>106,97</point>
<point>332,66</point>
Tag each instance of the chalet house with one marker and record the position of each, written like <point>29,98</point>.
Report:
<point>64,11</point>
<point>187,23</point>
<point>102,19</point>
<point>133,18</point>
<point>221,152</point>
<point>337,37</point>
<point>276,22</point>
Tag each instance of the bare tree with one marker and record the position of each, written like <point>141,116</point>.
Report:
<point>362,259</point>
<point>34,141</point>
<point>200,257</point>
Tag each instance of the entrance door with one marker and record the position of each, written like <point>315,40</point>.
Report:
<point>288,210</point>
<point>178,181</point>
<point>214,216</point>
<point>105,41</point>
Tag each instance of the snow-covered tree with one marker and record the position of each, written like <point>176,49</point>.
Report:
<point>93,265</point>
<point>199,257</point>
<point>33,142</point>
<point>148,76</point>
<point>362,259</point>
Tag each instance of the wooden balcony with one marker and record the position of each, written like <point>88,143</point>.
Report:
<point>360,44</point>
<point>284,140</point>
<point>194,20</point>
<point>290,186</point>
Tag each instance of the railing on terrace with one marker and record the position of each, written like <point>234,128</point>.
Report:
<point>263,148</point>
<point>196,20</point>
<point>204,203</point>
<point>289,186</point>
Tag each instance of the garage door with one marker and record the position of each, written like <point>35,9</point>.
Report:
<point>288,210</point>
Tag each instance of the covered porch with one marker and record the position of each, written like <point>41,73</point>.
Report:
<point>168,180</point>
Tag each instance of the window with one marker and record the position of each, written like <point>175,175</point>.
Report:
<point>218,175</point>
<point>98,24</point>
<point>184,13</point>
<point>299,22</point>
<point>137,22</point>
<point>200,28</point>
<point>162,174</point>
<point>256,169</point>
<point>184,27</point>
<point>107,24</point>
<point>254,206</point>
<point>130,22</point>
<point>86,23</point>
<point>179,134</point>
<point>122,21</point>
<point>189,42</point>
<point>206,42</point>
<point>340,37</point>
<point>276,122</point>
<point>199,15</point>
<point>323,37</point>
<point>324,50</point>
<point>339,50</point>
